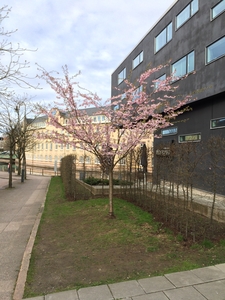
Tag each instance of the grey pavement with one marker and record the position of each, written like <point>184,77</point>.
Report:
<point>20,212</point>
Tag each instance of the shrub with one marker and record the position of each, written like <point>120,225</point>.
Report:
<point>98,181</point>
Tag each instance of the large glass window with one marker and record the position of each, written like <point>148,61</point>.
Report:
<point>158,81</point>
<point>215,50</point>
<point>193,137</point>
<point>122,76</point>
<point>187,13</point>
<point>217,123</point>
<point>184,66</point>
<point>218,9</point>
<point>169,131</point>
<point>164,37</point>
<point>138,59</point>
<point>136,93</point>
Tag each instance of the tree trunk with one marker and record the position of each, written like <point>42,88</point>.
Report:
<point>19,167</point>
<point>111,212</point>
<point>10,167</point>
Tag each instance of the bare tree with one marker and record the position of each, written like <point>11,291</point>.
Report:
<point>25,130</point>
<point>14,127</point>
<point>12,65</point>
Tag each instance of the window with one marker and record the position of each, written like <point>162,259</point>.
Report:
<point>186,13</point>
<point>158,81</point>
<point>116,107</point>
<point>169,131</point>
<point>136,93</point>
<point>122,76</point>
<point>138,59</point>
<point>97,162</point>
<point>184,66</point>
<point>87,160</point>
<point>164,37</point>
<point>81,159</point>
<point>194,137</point>
<point>218,9</point>
<point>217,123</point>
<point>122,162</point>
<point>215,50</point>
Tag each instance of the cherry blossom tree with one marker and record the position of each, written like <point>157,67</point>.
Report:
<point>129,117</point>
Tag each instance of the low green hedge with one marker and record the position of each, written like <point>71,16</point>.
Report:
<point>98,181</point>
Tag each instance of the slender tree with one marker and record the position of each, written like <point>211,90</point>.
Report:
<point>129,117</point>
<point>15,128</point>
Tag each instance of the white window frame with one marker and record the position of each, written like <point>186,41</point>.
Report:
<point>165,32</point>
<point>189,9</point>
<point>122,76</point>
<point>136,93</point>
<point>158,80</point>
<point>137,60</point>
<point>187,64</point>
<point>221,6</point>
<point>211,45</point>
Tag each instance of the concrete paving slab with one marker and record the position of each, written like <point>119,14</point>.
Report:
<point>3,226</point>
<point>185,293</point>
<point>181,279</point>
<point>212,290</point>
<point>6,285</point>
<point>5,295</point>
<point>68,295</point>
<point>155,284</point>
<point>13,226</point>
<point>126,289</point>
<point>154,296</point>
<point>221,267</point>
<point>209,273</point>
<point>101,292</point>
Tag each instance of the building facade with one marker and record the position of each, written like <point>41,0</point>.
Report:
<point>46,154</point>
<point>190,39</point>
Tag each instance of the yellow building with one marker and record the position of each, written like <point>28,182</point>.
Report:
<point>46,154</point>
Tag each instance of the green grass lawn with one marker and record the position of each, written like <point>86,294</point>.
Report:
<point>77,245</point>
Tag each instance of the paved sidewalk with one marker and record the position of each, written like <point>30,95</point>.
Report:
<point>20,207</point>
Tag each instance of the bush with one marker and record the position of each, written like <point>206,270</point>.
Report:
<point>98,181</point>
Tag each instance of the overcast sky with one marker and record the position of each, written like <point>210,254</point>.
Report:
<point>89,36</point>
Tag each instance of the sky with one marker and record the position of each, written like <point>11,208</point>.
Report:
<point>89,36</point>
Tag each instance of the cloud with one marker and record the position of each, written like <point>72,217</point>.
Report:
<point>91,36</point>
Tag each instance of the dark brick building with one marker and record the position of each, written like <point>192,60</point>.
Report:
<point>191,37</point>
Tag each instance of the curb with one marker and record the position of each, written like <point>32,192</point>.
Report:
<point>21,279</point>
